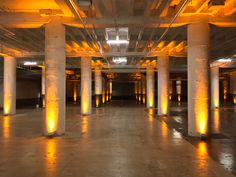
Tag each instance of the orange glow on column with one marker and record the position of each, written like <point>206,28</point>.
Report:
<point>103,98</point>
<point>234,99</point>
<point>75,92</point>
<point>164,106</point>
<point>6,106</point>
<point>202,117</point>
<point>170,96</point>
<point>179,98</point>
<point>144,99</point>
<point>216,121</point>
<point>97,100</point>
<point>51,117</point>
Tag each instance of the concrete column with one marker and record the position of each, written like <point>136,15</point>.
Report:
<point>98,87</point>
<point>9,86</point>
<point>178,89</point>
<point>103,91</point>
<point>163,85</point>
<point>198,79</point>
<point>86,89</point>
<point>110,89</point>
<point>150,88</point>
<point>143,89</point>
<point>233,86</point>
<point>215,87</point>
<point>55,84</point>
<point>140,91</point>
<point>43,75</point>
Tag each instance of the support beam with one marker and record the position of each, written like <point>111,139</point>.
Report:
<point>98,87</point>
<point>55,77</point>
<point>150,103</point>
<point>215,87</point>
<point>163,85</point>
<point>9,86</point>
<point>143,89</point>
<point>198,79</point>
<point>86,88</point>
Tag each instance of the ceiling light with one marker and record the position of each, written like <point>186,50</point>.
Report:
<point>118,42</point>
<point>119,60</point>
<point>30,63</point>
<point>224,60</point>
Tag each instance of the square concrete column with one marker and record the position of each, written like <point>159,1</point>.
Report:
<point>163,85</point>
<point>198,79</point>
<point>9,86</point>
<point>55,64</point>
<point>86,86</point>
<point>98,87</point>
<point>150,103</point>
<point>215,87</point>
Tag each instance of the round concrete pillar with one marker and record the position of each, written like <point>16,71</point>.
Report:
<point>55,77</point>
<point>150,103</point>
<point>9,86</point>
<point>163,85</point>
<point>98,87</point>
<point>215,87</point>
<point>86,88</point>
<point>198,79</point>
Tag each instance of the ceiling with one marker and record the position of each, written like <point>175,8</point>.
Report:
<point>150,26</point>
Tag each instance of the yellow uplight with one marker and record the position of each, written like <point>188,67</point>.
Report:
<point>170,96</point>
<point>103,98</point>
<point>51,117</point>
<point>97,101</point>
<point>164,106</point>
<point>234,100</point>
<point>179,98</point>
<point>85,107</point>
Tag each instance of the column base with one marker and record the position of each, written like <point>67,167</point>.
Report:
<point>98,101</point>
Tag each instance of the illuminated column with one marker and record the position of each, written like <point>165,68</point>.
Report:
<point>9,86</point>
<point>110,89</point>
<point>86,89</point>
<point>198,79</point>
<point>233,86</point>
<point>178,90</point>
<point>140,91</point>
<point>214,87</point>
<point>103,91</point>
<point>55,77</point>
<point>98,87</point>
<point>163,85</point>
<point>43,86</point>
<point>75,91</point>
<point>143,89</point>
<point>150,88</point>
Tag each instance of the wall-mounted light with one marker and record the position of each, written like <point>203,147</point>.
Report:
<point>30,63</point>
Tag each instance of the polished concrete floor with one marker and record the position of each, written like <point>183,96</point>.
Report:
<point>119,140</point>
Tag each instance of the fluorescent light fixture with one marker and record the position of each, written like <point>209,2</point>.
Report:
<point>118,42</point>
<point>224,60</point>
<point>30,63</point>
<point>119,60</point>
